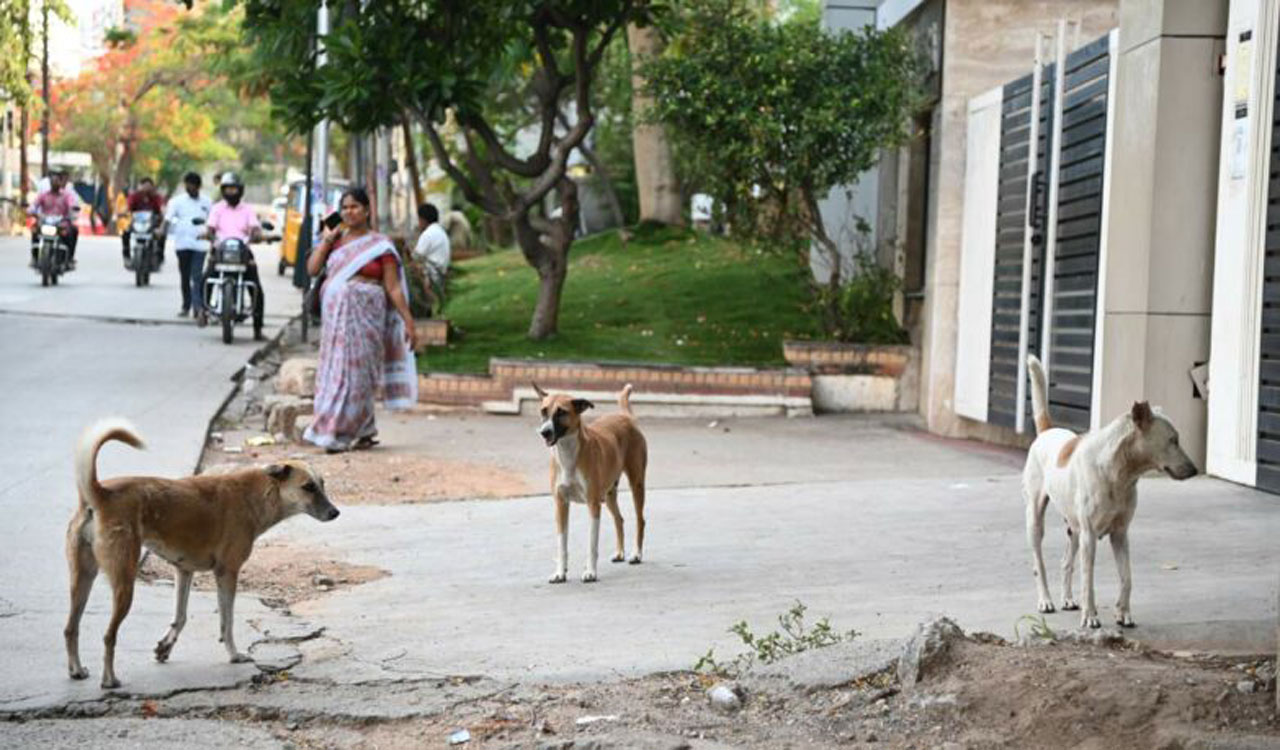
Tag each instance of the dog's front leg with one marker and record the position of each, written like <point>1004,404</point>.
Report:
<point>589,575</point>
<point>1120,548</point>
<point>1069,572</point>
<point>227,580</point>
<point>562,539</point>
<point>181,593</point>
<point>1088,552</point>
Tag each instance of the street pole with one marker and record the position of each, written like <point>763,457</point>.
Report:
<point>322,130</point>
<point>44,85</point>
<point>23,123</point>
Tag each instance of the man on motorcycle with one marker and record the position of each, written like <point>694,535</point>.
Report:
<point>58,200</point>
<point>145,198</point>
<point>231,218</point>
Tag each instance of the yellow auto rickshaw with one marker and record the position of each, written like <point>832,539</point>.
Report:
<point>295,207</point>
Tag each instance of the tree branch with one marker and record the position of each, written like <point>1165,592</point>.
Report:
<point>456,174</point>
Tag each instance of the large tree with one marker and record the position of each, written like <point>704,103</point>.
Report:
<point>656,182</point>
<point>429,57</point>
<point>151,104</point>
<point>773,113</point>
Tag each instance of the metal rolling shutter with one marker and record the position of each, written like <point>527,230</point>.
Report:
<point>1269,346</point>
<point>1075,269</point>
<point>1011,229</point>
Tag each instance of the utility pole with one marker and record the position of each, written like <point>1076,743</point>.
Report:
<point>24,124</point>
<point>44,86</point>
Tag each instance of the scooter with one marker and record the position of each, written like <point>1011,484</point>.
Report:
<point>53,256</point>
<point>228,295</point>
<point>145,253</point>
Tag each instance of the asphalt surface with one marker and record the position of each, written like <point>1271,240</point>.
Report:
<point>97,346</point>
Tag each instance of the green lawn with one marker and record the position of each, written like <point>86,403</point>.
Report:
<point>668,295</point>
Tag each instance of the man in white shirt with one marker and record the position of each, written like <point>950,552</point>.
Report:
<point>187,216</point>
<point>433,250</point>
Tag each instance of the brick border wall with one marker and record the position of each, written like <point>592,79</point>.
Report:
<point>505,375</point>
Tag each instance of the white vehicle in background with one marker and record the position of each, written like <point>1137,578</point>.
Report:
<point>278,207</point>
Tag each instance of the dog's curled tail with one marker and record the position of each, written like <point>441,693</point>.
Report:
<point>624,400</point>
<point>1039,394</point>
<point>87,454</point>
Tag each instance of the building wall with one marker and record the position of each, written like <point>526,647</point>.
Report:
<point>1164,179</point>
<point>985,44</point>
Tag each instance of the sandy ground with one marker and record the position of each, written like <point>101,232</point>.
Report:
<point>280,574</point>
<point>986,695</point>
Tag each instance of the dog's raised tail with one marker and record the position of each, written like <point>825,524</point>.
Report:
<point>91,441</point>
<point>624,400</point>
<point>1039,394</point>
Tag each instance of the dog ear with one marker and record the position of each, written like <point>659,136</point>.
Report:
<point>581,404</point>
<point>1141,414</point>
<point>279,472</point>
<point>541,393</point>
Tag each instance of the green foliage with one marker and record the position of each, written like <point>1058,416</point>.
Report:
<point>793,638</point>
<point>782,107</point>
<point>1039,628</point>
<point>20,30</point>
<point>860,310</point>
<point>665,296</point>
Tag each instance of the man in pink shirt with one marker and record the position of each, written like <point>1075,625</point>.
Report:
<point>232,219</point>
<point>58,200</point>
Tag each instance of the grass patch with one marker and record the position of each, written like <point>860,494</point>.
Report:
<point>668,295</point>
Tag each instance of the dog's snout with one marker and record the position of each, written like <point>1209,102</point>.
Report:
<point>332,514</point>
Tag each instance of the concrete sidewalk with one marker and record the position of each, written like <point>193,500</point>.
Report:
<point>866,521</point>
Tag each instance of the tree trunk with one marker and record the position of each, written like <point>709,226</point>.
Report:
<point>548,253</point>
<point>411,162</point>
<point>655,168</point>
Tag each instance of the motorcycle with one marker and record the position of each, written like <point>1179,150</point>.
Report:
<point>53,256</point>
<point>145,252</point>
<point>228,295</point>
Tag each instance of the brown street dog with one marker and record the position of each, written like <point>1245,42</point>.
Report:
<point>197,523</point>
<point>587,460</point>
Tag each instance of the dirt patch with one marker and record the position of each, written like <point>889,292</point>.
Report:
<point>280,574</point>
<point>381,476</point>
<point>988,696</point>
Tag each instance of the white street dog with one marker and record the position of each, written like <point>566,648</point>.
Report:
<point>1092,480</point>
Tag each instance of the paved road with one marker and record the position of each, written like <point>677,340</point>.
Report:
<point>868,523</point>
<point>65,364</point>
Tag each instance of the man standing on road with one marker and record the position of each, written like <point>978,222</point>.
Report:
<point>433,250</point>
<point>145,198</point>
<point>231,218</point>
<point>186,217</point>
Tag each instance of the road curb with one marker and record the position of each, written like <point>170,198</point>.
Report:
<point>272,344</point>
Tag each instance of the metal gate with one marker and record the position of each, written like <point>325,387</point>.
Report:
<point>1043,276</point>
<point>1078,235</point>
<point>1269,345</point>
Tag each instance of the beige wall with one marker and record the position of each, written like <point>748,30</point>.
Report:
<point>986,43</point>
<point>1164,184</point>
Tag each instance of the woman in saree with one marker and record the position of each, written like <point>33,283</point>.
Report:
<point>367,336</point>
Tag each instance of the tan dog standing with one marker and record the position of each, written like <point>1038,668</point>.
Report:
<point>197,523</point>
<point>587,460</point>
<point>1092,480</point>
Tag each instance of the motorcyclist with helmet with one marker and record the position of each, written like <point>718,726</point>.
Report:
<point>145,198</point>
<point>232,218</point>
<point>59,200</point>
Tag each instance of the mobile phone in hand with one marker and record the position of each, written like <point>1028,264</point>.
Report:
<point>332,220</point>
